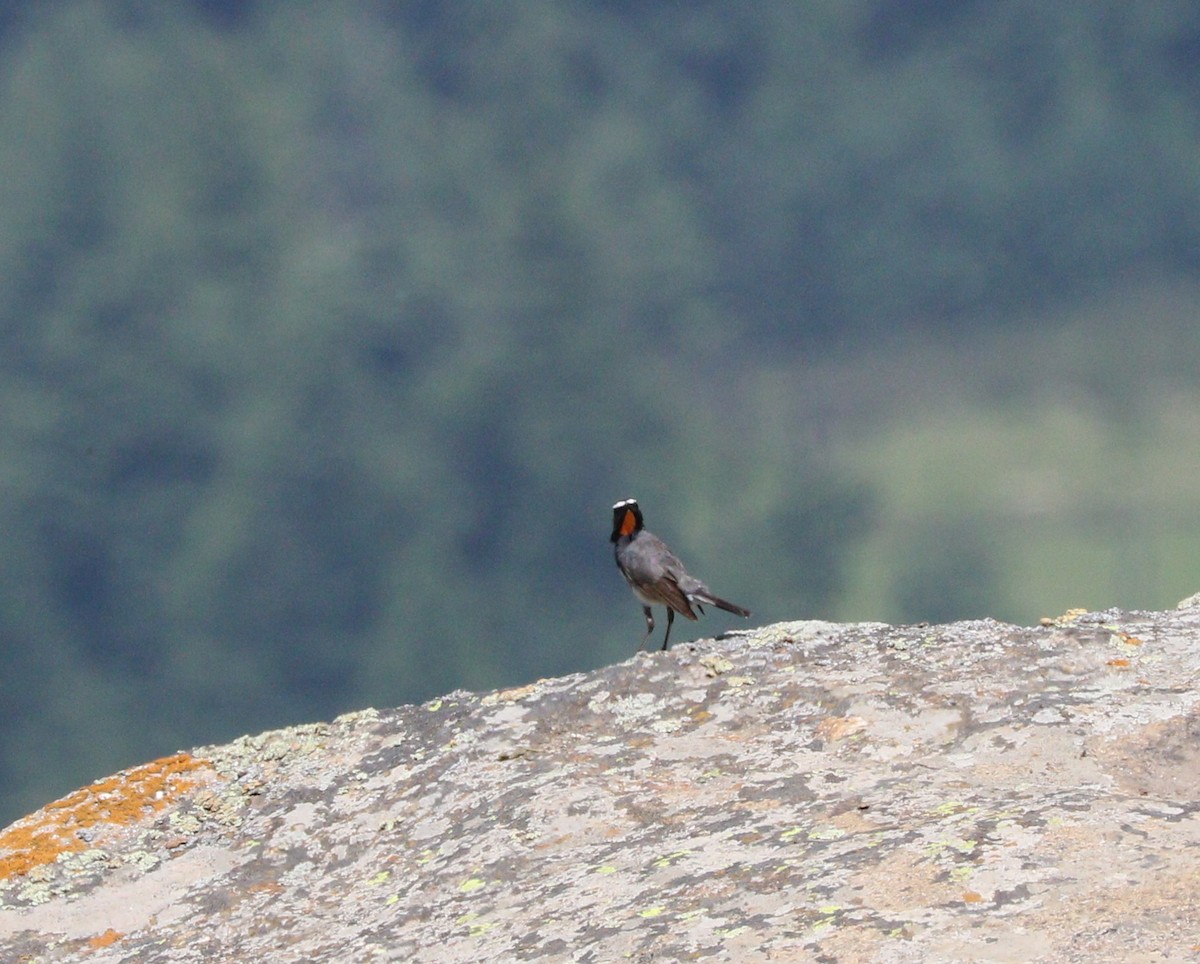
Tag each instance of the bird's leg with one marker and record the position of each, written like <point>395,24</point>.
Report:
<point>670,619</point>
<point>649,626</point>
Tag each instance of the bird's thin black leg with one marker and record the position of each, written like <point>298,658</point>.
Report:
<point>670,619</point>
<point>649,626</point>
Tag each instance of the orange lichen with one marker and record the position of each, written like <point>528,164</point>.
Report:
<point>834,728</point>
<point>1118,661</point>
<point>107,939</point>
<point>119,800</point>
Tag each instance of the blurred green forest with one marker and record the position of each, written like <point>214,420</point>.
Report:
<point>332,330</point>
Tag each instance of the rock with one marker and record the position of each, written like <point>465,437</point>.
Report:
<point>973,791</point>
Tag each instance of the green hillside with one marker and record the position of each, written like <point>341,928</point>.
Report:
<point>330,331</point>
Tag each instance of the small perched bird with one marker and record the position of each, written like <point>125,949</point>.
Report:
<point>655,574</point>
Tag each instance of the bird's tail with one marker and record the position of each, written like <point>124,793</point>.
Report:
<point>710,600</point>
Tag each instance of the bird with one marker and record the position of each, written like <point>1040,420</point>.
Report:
<point>655,574</point>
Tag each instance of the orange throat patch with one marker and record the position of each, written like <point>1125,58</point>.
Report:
<point>628,523</point>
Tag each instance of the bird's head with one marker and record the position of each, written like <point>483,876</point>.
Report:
<point>627,519</point>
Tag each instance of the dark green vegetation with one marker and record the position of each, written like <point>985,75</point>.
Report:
<point>332,330</point>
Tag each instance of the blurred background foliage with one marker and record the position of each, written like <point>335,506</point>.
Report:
<point>331,330</point>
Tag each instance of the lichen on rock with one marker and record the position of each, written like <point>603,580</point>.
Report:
<point>805,790</point>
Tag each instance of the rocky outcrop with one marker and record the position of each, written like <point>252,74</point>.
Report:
<point>973,791</point>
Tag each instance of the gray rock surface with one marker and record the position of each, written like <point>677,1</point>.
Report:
<point>806,791</point>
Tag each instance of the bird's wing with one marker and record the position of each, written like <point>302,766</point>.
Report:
<point>655,573</point>
<point>666,591</point>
